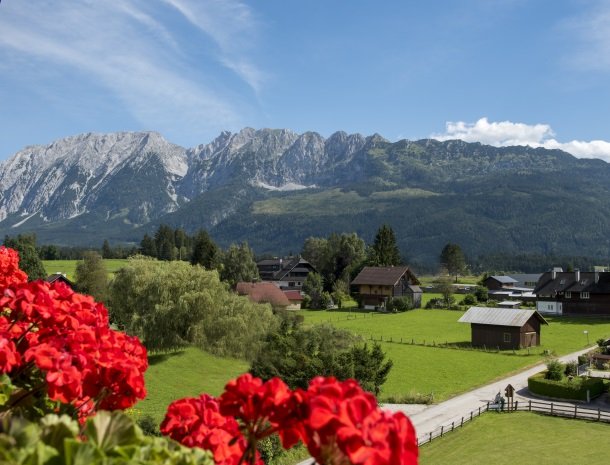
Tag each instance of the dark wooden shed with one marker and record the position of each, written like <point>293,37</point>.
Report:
<point>505,328</point>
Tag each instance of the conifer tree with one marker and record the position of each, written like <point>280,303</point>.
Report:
<point>384,251</point>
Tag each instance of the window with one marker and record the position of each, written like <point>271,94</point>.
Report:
<point>506,337</point>
<point>568,295</point>
<point>584,295</point>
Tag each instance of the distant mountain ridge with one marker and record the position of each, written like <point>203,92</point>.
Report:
<point>274,187</point>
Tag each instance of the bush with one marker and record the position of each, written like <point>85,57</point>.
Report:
<point>481,294</point>
<point>469,299</point>
<point>583,359</point>
<point>573,390</point>
<point>400,304</point>
<point>571,369</point>
<point>555,370</point>
<point>437,302</point>
<point>412,397</point>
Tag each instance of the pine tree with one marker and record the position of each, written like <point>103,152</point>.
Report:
<point>384,251</point>
<point>148,246</point>
<point>205,251</point>
<point>106,250</point>
<point>165,242</point>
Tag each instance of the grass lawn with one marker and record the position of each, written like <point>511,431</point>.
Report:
<point>447,372</point>
<point>186,373</point>
<point>507,439</point>
<point>69,266</point>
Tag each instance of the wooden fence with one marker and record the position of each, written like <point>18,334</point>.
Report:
<point>545,408</point>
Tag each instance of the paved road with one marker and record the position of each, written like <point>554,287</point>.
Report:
<point>428,418</point>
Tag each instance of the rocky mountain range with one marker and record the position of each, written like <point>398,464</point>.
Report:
<point>274,188</point>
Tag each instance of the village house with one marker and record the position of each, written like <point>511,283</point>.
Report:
<point>287,273</point>
<point>502,287</point>
<point>263,293</point>
<point>503,328</point>
<point>375,285</point>
<point>59,277</point>
<point>295,298</point>
<point>573,293</point>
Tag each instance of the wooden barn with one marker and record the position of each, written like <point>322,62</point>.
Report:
<point>374,285</point>
<point>505,328</point>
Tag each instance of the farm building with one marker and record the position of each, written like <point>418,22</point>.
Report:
<point>494,283</point>
<point>59,277</point>
<point>573,293</point>
<point>263,293</point>
<point>375,285</point>
<point>505,328</point>
<point>295,298</point>
<point>287,273</point>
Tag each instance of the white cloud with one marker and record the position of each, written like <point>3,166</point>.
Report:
<point>591,40</point>
<point>128,48</point>
<point>507,133</point>
<point>232,25</point>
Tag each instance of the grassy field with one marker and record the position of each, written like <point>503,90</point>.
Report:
<point>185,374</point>
<point>507,439</point>
<point>69,266</point>
<point>445,372</point>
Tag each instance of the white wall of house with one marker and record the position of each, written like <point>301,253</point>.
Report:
<point>549,307</point>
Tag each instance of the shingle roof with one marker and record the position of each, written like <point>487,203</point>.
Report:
<point>499,316</point>
<point>263,292</point>
<point>594,283</point>
<point>382,275</point>
<point>293,295</point>
<point>504,279</point>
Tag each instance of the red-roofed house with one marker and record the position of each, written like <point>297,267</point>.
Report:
<point>263,293</point>
<point>295,298</point>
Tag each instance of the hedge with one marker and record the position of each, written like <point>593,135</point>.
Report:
<point>576,390</point>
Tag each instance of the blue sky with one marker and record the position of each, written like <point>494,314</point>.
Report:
<point>502,72</point>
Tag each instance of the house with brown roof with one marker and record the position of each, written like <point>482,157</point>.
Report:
<point>295,298</point>
<point>375,285</point>
<point>263,293</point>
<point>288,273</point>
<point>504,328</point>
<point>573,293</point>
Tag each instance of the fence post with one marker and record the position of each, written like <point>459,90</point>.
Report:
<point>471,415</point>
<point>430,436</point>
<point>452,425</point>
<point>479,411</point>
<point>462,423</point>
<point>551,408</point>
<point>530,407</point>
<point>599,414</point>
<point>442,431</point>
<point>516,407</point>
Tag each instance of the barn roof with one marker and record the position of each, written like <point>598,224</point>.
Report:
<point>499,316</point>
<point>504,279</point>
<point>264,292</point>
<point>383,275</point>
<point>293,295</point>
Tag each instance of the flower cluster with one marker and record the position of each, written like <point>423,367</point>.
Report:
<point>340,423</point>
<point>56,340</point>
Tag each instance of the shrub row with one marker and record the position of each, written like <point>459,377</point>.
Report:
<point>576,389</point>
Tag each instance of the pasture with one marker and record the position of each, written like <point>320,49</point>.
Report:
<point>507,439</point>
<point>445,372</point>
<point>68,267</point>
<point>186,373</point>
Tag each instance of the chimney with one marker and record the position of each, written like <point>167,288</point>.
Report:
<point>577,275</point>
<point>553,274</point>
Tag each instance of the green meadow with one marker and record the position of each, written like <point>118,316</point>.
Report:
<point>445,372</point>
<point>68,267</point>
<point>507,439</point>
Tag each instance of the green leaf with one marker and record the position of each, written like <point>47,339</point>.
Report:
<point>43,455</point>
<point>108,430</point>
<point>6,389</point>
<point>80,453</point>
<point>54,429</point>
